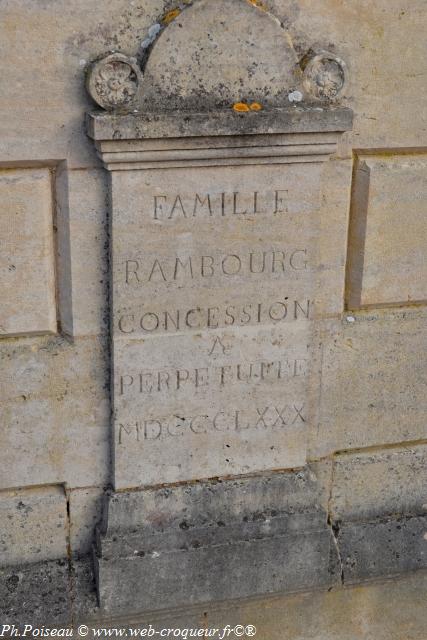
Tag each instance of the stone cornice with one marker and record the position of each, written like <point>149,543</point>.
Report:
<point>141,141</point>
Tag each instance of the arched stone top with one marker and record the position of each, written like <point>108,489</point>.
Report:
<point>217,53</point>
<point>214,55</point>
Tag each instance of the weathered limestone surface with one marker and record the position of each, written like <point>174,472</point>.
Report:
<point>82,221</point>
<point>379,483</point>
<point>356,613</point>
<point>219,306</point>
<point>27,260</point>
<point>86,506</point>
<point>187,68</point>
<point>54,395</point>
<point>368,388</point>
<point>278,533</point>
<point>373,381</point>
<point>33,525</point>
<point>37,594</point>
<point>373,549</point>
<point>333,213</point>
<point>214,541</point>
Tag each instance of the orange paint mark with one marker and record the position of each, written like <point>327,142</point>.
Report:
<point>255,106</point>
<point>171,15</point>
<point>240,107</point>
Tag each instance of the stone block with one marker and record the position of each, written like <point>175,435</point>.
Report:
<point>54,395</point>
<point>85,600</point>
<point>377,549</point>
<point>373,381</point>
<point>52,449</point>
<point>27,262</point>
<point>379,483</point>
<point>210,405</point>
<point>387,237</point>
<point>83,251</point>
<point>37,595</point>
<point>216,572</point>
<point>207,502</point>
<point>33,525</point>
<point>85,513</point>
<point>211,541</point>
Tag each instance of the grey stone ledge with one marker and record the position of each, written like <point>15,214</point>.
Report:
<point>218,540</point>
<point>110,126</point>
<point>239,569</point>
<point>371,550</point>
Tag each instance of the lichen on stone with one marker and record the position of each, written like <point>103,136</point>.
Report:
<point>241,107</point>
<point>171,15</point>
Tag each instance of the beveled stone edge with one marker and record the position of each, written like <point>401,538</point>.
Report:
<point>322,570</point>
<point>205,152</point>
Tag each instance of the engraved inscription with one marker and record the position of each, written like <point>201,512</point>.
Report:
<point>218,347</point>
<point>169,207</point>
<point>174,320</point>
<point>265,418</point>
<point>190,268</point>
<point>165,380</point>
<point>213,295</point>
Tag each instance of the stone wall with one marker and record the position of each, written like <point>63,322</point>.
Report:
<point>367,439</point>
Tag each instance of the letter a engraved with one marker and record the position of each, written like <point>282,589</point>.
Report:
<point>219,346</point>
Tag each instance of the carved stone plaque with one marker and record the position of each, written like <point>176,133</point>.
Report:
<point>214,276</point>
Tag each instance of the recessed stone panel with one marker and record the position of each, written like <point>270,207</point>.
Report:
<point>388,233</point>
<point>373,381</point>
<point>27,274</point>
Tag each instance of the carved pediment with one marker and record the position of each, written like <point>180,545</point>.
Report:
<point>213,55</point>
